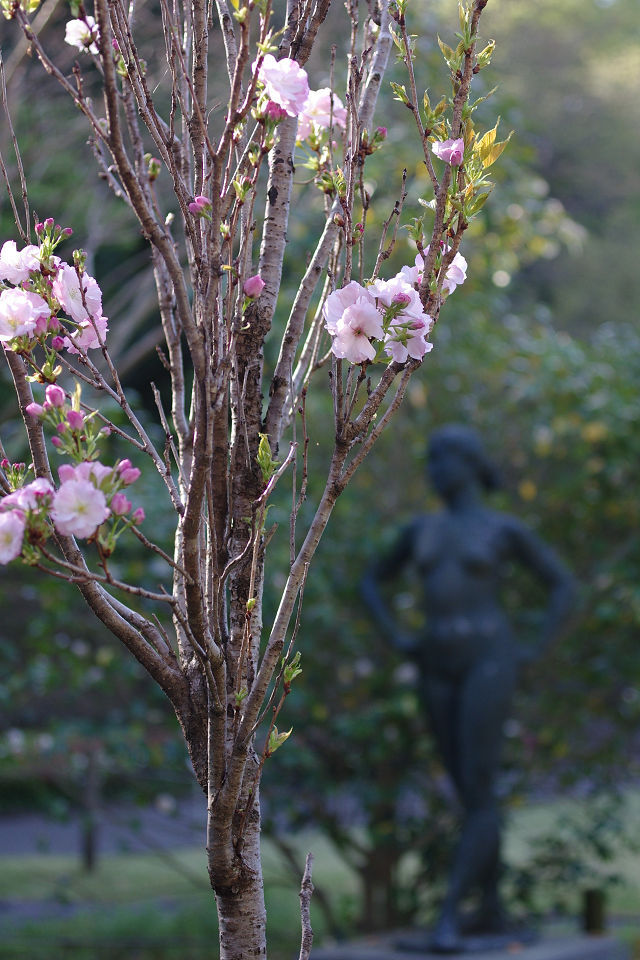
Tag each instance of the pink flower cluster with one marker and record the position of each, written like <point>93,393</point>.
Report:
<point>387,311</point>
<point>455,276</point>
<point>42,286</point>
<point>286,87</point>
<point>88,495</point>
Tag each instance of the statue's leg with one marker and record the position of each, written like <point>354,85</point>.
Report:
<point>484,699</point>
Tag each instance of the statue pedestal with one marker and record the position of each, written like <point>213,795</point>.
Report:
<point>385,947</point>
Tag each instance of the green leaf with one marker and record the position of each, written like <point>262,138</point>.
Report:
<point>400,92</point>
<point>447,51</point>
<point>277,739</point>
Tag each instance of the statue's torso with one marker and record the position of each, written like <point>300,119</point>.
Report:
<point>460,560</point>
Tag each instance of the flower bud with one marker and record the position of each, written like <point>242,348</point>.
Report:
<point>273,111</point>
<point>35,410</point>
<point>201,206</point>
<point>75,419</point>
<point>253,286</point>
<point>120,505</point>
<point>55,395</point>
<point>56,441</point>
<point>154,168</point>
<point>138,516</point>
<point>57,343</point>
<point>129,476</point>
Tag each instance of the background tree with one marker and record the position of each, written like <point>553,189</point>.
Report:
<point>217,466</point>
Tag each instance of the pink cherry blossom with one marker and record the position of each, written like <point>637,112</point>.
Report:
<point>55,395</point>
<point>285,83</point>
<point>359,321</point>
<point>16,265</point>
<point>388,291</point>
<point>451,151</point>
<point>253,286</point>
<point>12,526</point>
<point>456,271</point>
<point>79,508</point>
<point>91,470</point>
<point>31,496</point>
<point>19,313</point>
<point>34,410</point>
<point>66,289</point>
<point>338,301</point>
<point>82,34</point>
<point>415,347</point>
<point>317,112</point>
<point>88,335</point>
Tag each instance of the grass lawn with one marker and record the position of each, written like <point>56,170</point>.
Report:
<point>141,906</point>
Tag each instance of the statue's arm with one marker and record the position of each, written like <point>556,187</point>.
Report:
<point>384,570</point>
<point>545,564</point>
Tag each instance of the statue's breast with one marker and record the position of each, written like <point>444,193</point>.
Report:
<point>476,547</point>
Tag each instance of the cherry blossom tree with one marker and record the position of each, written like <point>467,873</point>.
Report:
<point>218,259</point>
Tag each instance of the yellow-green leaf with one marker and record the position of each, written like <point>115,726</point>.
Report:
<point>484,144</point>
<point>494,152</point>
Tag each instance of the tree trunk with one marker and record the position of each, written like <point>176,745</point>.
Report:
<point>241,911</point>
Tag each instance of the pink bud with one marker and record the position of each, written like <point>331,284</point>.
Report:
<point>119,504</point>
<point>201,206</point>
<point>61,427</point>
<point>39,228</point>
<point>381,133</point>
<point>75,419</point>
<point>35,410</point>
<point>253,286</point>
<point>48,223</point>
<point>138,516</point>
<point>273,111</point>
<point>402,298</point>
<point>124,465</point>
<point>129,476</point>
<point>42,325</point>
<point>55,395</point>
<point>4,463</point>
<point>57,343</point>
<point>56,441</point>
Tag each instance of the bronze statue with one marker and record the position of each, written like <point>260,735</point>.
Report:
<point>467,658</point>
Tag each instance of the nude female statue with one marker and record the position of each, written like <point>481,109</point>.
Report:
<point>468,658</point>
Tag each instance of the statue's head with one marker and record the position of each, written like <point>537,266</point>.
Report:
<point>456,459</point>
